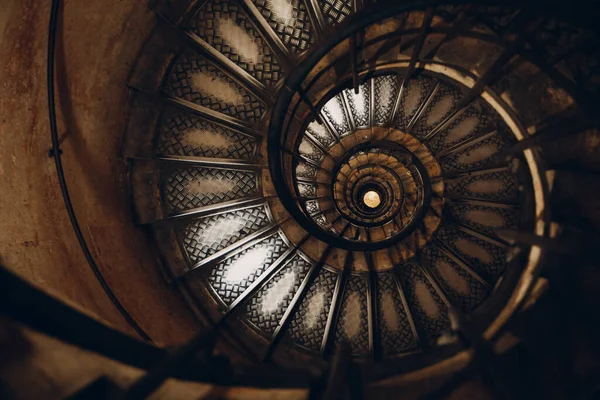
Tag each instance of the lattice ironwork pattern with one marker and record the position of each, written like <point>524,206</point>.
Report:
<point>426,306</point>
<point>194,79</point>
<point>413,96</point>
<point>307,190</point>
<point>205,236</point>
<point>386,93</point>
<point>189,188</point>
<point>481,218</point>
<point>223,25</point>
<point>230,278</point>
<point>474,121</point>
<point>312,207</point>
<point>485,258</point>
<point>460,286</point>
<point>310,151</point>
<point>478,155</point>
<point>289,20</point>
<point>304,170</point>
<point>353,321</point>
<point>396,333</point>
<point>321,133</point>
<point>185,134</point>
<point>336,10</point>
<point>308,324</point>
<point>335,113</point>
<point>360,104</point>
<point>321,221</point>
<point>499,186</point>
<point>442,105</point>
<point>265,310</point>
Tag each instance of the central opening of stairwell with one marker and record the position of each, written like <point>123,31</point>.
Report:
<point>372,199</point>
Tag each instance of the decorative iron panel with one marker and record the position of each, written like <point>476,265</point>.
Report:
<point>188,188</point>
<point>308,324</point>
<point>185,134</point>
<point>310,151</point>
<point>442,105</point>
<point>475,120</point>
<point>265,310</point>
<point>478,155</point>
<point>206,236</point>
<point>307,190</point>
<point>320,133</point>
<point>195,80</point>
<point>312,207</point>
<point>304,170</point>
<point>498,186</point>
<point>321,221</point>
<point>461,287</point>
<point>289,20</point>
<point>426,306</point>
<point>223,25</point>
<point>481,218</point>
<point>484,257</point>
<point>335,113</point>
<point>386,93</point>
<point>360,104</point>
<point>353,322</point>
<point>231,277</point>
<point>396,333</point>
<point>335,11</point>
<point>413,96</point>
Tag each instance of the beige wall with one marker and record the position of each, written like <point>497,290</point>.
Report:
<point>101,40</point>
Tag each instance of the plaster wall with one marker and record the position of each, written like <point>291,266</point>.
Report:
<point>97,44</point>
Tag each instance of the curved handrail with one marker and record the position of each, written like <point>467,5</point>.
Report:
<point>56,153</point>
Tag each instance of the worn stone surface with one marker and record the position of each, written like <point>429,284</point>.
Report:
<point>97,47</point>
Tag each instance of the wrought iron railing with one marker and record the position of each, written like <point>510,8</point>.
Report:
<point>56,153</point>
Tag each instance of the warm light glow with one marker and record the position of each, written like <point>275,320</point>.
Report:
<point>221,229</point>
<point>276,296</point>
<point>239,39</point>
<point>282,10</point>
<point>315,307</point>
<point>352,320</point>
<point>335,110</point>
<point>244,266</point>
<point>372,199</point>
<point>359,102</point>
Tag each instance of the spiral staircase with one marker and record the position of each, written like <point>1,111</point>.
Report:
<point>371,176</point>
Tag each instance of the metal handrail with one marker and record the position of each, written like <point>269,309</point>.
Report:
<point>56,153</point>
